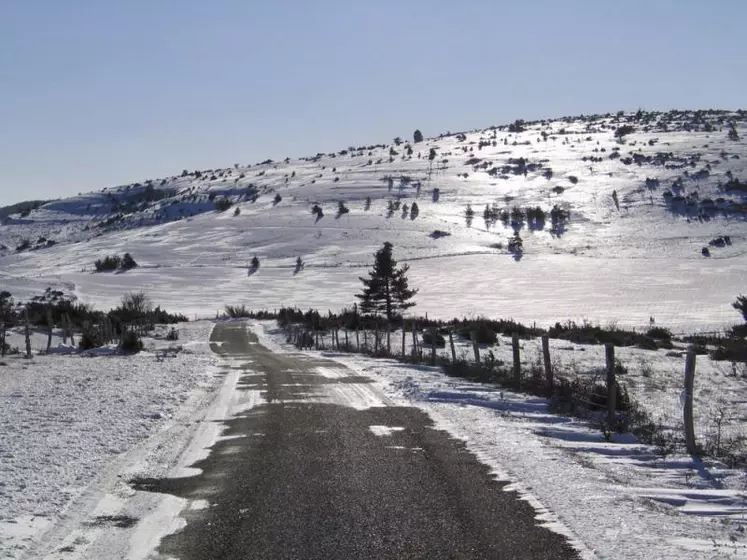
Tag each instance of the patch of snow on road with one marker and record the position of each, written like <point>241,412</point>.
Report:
<point>385,431</point>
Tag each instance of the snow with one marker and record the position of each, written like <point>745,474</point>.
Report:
<point>71,425</point>
<point>616,499</point>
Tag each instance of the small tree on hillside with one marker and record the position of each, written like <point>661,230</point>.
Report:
<point>733,134</point>
<point>386,292</point>
<point>417,136</point>
<point>741,306</point>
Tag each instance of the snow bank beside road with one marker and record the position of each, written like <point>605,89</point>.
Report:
<point>64,419</point>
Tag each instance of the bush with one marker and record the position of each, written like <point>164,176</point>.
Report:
<point>223,204</point>
<point>586,333</point>
<point>237,311</point>
<point>131,342</point>
<point>108,263</point>
<point>659,333</point>
<point>115,262</point>
<point>431,337</point>
<point>128,262</point>
<point>624,130</point>
<point>483,333</point>
<point>417,136</point>
<point>91,338</point>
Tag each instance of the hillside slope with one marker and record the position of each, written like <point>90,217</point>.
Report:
<point>636,197</point>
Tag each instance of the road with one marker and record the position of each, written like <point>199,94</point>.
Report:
<point>306,476</point>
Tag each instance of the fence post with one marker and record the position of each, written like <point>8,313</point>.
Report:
<point>50,324</point>
<point>70,329</point>
<point>365,339</point>
<point>357,339</point>
<point>388,338</point>
<point>28,332</point>
<point>609,352</point>
<point>433,346</point>
<point>2,339</point>
<point>347,344</point>
<point>517,358</point>
<point>475,348</point>
<point>548,363</point>
<point>404,337</point>
<point>316,339</point>
<point>688,408</point>
<point>376,337</point>
<point>451,343</point>
<point>414,340</point>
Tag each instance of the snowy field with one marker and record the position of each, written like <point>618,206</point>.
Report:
<point>71,424</point>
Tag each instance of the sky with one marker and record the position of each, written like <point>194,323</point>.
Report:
<point>96,94</point>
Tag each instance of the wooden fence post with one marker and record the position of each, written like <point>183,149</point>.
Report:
<point>347,344</point>
<point>70,329</point>
<point>688,404</point>
<point>475,347</point>
<point>517,358</point>
<point>609,352</point>
<point>414,340</point>
<point>404,341</point>
<point>548,363</point>
<point>451,343</point>
<point>388,338</point>
<point>365,339</point>
<point>2,338</point>
<point>357,339</point>
<point>50,325</point>
<point>434,331</point>
<point>28,332</point>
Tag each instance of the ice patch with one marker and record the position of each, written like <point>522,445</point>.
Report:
<point>384,431</point>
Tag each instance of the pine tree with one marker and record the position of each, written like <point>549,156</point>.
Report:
<point>741,306</point>
<point>417,136</point>
<point>386,292</point>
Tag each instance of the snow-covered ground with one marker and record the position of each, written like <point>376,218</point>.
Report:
<point>72,424</point>
<point>616,500</point>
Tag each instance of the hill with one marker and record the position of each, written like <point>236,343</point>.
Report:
<point>611,218</point>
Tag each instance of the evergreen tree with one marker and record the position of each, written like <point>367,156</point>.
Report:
<point>386,291</point>
<point>417,136</point>
<point>741,306</point>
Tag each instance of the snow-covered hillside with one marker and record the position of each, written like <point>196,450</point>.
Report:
<point>636,196</point>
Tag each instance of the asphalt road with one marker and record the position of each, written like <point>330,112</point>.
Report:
<point>308,478</point>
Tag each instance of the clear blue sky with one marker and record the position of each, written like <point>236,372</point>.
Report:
<point>97,93</point>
